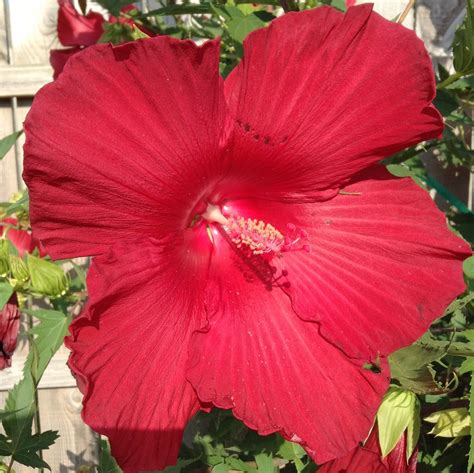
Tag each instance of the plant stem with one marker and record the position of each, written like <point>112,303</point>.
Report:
<point>405,12</point>
<point>10,465</point>
<point>452,78</point>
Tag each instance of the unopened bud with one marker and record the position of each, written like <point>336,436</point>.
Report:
<point>4,264</point>
<point>19,270</point>
<point>46,278</point>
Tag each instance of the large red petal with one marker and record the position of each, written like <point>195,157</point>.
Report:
<point>320,95</point>
<point>58,58</point>
<point>122,143</point>
<point>274,370</point>
<point>75,29</point>
<point>130,347</point>
<point>378,250</point>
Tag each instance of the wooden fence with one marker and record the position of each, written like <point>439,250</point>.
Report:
<point>27,33</point>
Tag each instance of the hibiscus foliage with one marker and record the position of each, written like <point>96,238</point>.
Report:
<point>426,418</point>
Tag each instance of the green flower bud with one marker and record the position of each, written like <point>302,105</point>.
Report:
<point>47,278</point>
<point>399,412</point>
<point>4,263</point>
<point>19,271</point>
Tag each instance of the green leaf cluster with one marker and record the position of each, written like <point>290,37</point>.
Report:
<point>19,441</point>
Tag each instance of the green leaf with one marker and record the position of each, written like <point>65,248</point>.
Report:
<point>467,365</point>
<point>460,117</point>
<point>443,73</point>
<point>463,45</point>
<point>40,441</point>
<point>30,458</point>
<point>228,12</point>
<point>458,304</point>
<point>265,463</point>
<point>50,333</point>
<point>399,408</point>
<point>445,102</point>
<point>20,205</point>
<point>107,463</point>
<point>6,414</point>
<point>468,268</point>
<point>471,415</point>
<point>238,464</point>
<point>6,291</point>
<point>21,402</point>
<point>293,452</point>
<point>411,367</point>
<point>180,465</point>
<point>7,142</point>
<point>239,28</point>
<point>188,9</point>
<point>463,83</point>
<point>114,6</point>
<point>220,468</point>
<point>450,347</point>
<point>339,4</point>
<point>5,448</point>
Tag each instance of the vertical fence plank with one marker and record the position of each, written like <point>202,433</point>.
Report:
<point>8,171</point>
<point>33,30</point>
<point>77,446</point>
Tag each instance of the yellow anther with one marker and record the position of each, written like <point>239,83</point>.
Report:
<point>258,236</point>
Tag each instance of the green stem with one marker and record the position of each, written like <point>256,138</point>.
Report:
<point>457,352</point>
<point>452,78</point>
<point>10,465</point>
<point>446,194</point>
<point>412,153</point>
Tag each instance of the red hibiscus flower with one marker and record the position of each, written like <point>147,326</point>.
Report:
<point>9,326</point>
<point>350,3</point>
<point>81,31</point>
<point>368,459</point>
<point>23,240</point>
<point>249,252</point>
<point>75,29</point>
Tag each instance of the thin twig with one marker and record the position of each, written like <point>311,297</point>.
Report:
<point>405,12</point>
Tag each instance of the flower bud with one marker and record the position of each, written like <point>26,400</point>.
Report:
<point>4,264</point>
<point>19,270</point>
<point>47,278</point>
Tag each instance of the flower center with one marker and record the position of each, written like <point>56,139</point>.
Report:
<point>256,243</point>
<point>259,237</point>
